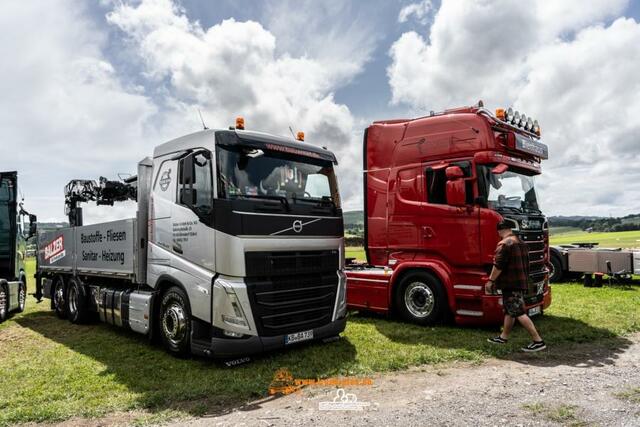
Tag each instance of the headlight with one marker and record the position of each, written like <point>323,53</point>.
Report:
<point>516,118</point>
<point>509,115</point>
<point>341,307</point>
<point>529,124</point>
<point>227,307</point>
<point>523,121</point>
<point>234,315</point>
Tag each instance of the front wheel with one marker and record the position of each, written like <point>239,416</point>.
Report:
<point>175,322</point>
<point>421,299</point>
<point>59,298</point>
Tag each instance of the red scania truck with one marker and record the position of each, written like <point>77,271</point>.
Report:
<point>434,189</point>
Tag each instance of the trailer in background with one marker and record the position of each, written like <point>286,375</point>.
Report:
<point>578,260</point>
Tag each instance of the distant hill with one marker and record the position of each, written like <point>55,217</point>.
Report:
<point>354,222</point>
<point>353,218</point>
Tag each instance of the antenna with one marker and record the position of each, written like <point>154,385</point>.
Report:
<point>292,134</point>
<point>202,120</point>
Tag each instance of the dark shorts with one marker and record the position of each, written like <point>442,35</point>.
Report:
<point>513,303</point>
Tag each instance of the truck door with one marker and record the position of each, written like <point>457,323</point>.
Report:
<point>449,232</point>
<point>192,222</point>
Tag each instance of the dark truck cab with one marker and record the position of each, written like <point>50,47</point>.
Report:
<point>14,230</point>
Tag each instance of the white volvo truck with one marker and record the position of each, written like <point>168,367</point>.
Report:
<point>237,247</point>
<point>14,231</point>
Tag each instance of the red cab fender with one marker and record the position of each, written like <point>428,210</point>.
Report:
<point>439,268</point>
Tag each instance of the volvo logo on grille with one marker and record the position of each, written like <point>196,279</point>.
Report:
<point>297,226</point>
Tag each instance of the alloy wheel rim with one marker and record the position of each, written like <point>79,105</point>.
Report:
<point>59,299</point>
<point>419,299</point>
<point>73,300</point>
<point>3,302</point>
<point>22,297</point>
<point>174,323</point>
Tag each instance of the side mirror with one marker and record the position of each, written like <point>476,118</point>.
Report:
<point>456,193</point>
<point>499,169</point>
<point>188,196</point>
<point>187,170</point>
<point>33,225</point>
<point>454,172</point>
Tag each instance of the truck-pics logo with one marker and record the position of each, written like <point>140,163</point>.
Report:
<point>54,251</point>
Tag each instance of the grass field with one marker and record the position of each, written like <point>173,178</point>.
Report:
<point>620,239</point>
<point>52,370</point>
<point>563,235</point>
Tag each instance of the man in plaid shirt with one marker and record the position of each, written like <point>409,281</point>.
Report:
<point>510,274</point>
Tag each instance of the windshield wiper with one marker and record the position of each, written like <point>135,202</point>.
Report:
<point>281,199</point>
<point>324,201</point>
<point>513,208</point>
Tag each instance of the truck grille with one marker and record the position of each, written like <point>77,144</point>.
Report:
<point>535,241</point>
<point>291,291</point>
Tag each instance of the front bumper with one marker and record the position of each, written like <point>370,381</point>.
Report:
<point>227,348</point>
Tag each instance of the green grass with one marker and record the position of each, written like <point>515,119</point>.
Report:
<point>52,370</point>
<point>632,395</point>
<point>620,239</point>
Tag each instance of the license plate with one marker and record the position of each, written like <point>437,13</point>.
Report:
<point>535,311</point>
<point>298,336</point>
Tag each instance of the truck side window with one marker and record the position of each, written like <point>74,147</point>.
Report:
<point>196,186</point>
<point>436,186</point>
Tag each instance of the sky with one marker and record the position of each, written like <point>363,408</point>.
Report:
<point>91,87</point>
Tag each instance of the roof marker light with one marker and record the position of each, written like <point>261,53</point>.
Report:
<point>240,123</point>
<point>300,136</point>
<point>500,113</point>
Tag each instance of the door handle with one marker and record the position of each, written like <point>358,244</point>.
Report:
<point>427,232</point>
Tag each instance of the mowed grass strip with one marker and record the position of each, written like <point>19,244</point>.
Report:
<point>52,370</point>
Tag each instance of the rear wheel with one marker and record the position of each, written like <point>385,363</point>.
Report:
<point>556,273</point>
<point>76,302</point>
<point>22,296</point>
<point>421,299</point>
<point>59,298</point>
<point>4,302</point>
<point>175,322</point>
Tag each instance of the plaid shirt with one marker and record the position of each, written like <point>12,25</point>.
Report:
<point>512,258</point>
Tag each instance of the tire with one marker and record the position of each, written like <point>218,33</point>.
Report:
<point>22,296</point>
<point>76,302</point>
<point>4,301</point>
<point>175,322</point>
<point>58,298</point>
<point>421,299</point>
<point>556,273</point>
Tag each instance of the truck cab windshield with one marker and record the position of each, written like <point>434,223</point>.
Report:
<point>247,172</point>
<point>510,190</point>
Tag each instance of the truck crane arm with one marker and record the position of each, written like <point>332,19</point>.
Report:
<point>103,192</point>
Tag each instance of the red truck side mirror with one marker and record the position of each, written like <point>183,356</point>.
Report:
<point>456,189</point>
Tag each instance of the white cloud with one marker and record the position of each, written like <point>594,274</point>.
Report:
<point>65,114</point>
<point>419,11</point>
<point>234,68</point>
<point>564,63</point>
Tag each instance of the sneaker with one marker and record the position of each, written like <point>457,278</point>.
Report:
<point>534,346</point>
<point>497,340</point>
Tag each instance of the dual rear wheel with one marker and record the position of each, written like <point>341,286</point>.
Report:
<point>174,323</point>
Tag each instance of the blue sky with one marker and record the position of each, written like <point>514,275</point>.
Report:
<point>99,84</point>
